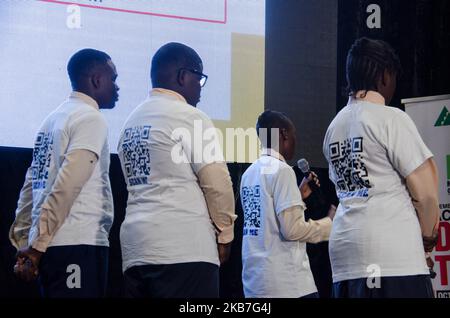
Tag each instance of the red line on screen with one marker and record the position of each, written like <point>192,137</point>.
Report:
<point>225,18</point>
<point>224,21</point>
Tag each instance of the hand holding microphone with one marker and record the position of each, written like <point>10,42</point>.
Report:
<point>308,184</point>
<point>312,182</point>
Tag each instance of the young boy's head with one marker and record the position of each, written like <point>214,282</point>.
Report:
<point>276,131</point>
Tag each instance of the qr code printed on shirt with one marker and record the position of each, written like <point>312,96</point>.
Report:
<point>42,156</point>
<point>136,154</point>
<point>251,204</point>
<point>348,164</point>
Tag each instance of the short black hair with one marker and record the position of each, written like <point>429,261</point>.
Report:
<point>269,120</point>
<point>172,54</point>
<point>367,60</point>
<point>82,62</point>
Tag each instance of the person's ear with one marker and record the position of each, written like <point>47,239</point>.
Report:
<point>181,77</point>
<point>96,80</point>
<point>284,133</point>
<point>385,78</point>
<point>381,82</point>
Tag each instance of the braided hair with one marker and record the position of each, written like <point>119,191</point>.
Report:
<point>367,61</point>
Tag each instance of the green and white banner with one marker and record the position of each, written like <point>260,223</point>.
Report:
<point>432,118</point>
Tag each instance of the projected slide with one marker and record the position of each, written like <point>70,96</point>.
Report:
<point>38,37</point>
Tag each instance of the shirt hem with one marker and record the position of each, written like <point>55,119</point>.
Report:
<point>384,273</point>
<point>300,294</point>
<point>66,243</point>
<point>143,262</point>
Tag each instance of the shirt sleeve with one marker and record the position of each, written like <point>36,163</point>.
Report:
<point>88,132</point>
<point>18,233</point>
<point>217,187</point>
<point>75,171</point>
<point>293,226</point>
<point>286,194</point>
<point>405,147</point>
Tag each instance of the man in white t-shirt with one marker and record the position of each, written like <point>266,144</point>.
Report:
<point>386,181</point>
<point>65,209</point>
<point>180,214</point>
<point>274,259</point>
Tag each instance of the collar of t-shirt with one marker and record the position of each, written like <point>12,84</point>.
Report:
<point>167,93</point>
<point>367,96</point>
<point>85,98</point>
<point>272,153</point>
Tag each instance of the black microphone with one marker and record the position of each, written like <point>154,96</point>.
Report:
<point>303,165</point>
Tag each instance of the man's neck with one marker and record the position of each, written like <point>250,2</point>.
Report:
<point>167,92</point>
<point>86,98</point>
<point>272,153</point>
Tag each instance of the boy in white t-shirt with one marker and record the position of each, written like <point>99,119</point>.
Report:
<point>386,181</point>
<point>274,259</point>
<point>65,209</point>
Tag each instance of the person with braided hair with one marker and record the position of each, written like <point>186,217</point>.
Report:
<point>386,181</point>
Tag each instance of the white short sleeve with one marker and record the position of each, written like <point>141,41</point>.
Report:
<point>89,132</point>
<point>405,147</point>
<point>285,191</point>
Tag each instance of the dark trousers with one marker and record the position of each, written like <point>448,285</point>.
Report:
<point>390,287</point>
<point>74,271</point>
<point>184,280</point>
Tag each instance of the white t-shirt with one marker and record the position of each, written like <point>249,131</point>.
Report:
<point>371,149</point>
<point>167,219</point>
<point>271,266</point>
<point>74,125</point>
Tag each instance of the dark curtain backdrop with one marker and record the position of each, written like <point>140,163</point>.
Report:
<point>419,30</point>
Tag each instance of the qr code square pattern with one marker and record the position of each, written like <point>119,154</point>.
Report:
<point>136,155</point>
<point>348,164</point>
<point>251,199</point>
<point>42,155</point>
